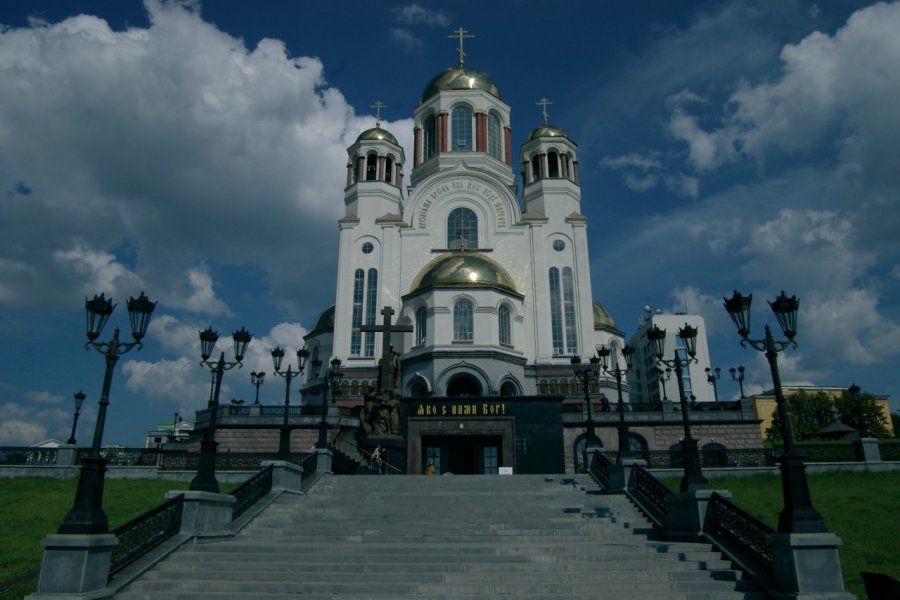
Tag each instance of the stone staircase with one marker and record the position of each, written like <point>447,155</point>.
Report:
<point>523,536</point>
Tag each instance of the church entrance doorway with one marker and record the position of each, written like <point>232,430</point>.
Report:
<point>463,385</point>
<point>463,454</point>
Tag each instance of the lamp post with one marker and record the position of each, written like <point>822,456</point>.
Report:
<point>205,480</point>
<point>284,439</point>
<point>860,416</point>
<point>798,515</point>
<point>587,373</point>
<point>693,475</point>
<point>738,375</point>
<point>329,378</point>
<point>712,375</point>
<point>175,421</point>
<point>614,369</point>
<point>662,376</point>
<point>86,515</point>
<point>256,379</point>
<point>79,401</point>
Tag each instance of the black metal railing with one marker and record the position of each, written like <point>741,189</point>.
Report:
<point>740,535</point>
<point>673,459</point>
<point>27,456</point>
<point>145,532</point>
<point>132,457</point>
<point>308,466</point>
<point>650,493</point>
<point>251,491</point>
<point>599,467</point>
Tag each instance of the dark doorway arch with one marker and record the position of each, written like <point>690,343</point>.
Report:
<point>509,388</point>
<point>464,384</point>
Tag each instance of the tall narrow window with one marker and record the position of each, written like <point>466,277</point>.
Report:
<point>461,121</point>
<point>536,168</point>
<point>495,134</point>
<point>503,318</point>
<point>389,170</point>
<point>371,167</point>
<point>371,305</point>
<point>569,311</point>
<point>463,321</point>
<point>556,328</point>
<point>429,143</point>
<point>359,277</point>
<point>462,229</point>
<point>421,326</point>
<point>552,164</point>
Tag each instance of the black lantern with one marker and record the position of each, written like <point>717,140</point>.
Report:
<point>208,339</point>
<point>139,311</point>
<point>738,307</point>
<point>98,310</point>
<point>657,337</point>
<point>688,335</point>
<point>277,357</point>
<point>241,338</point>
<point>785,310</point>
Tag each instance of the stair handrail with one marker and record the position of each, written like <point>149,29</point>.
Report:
<point>599,467</point>
<point>251,491</point>
<point>649,493</point>
<point>366,455</point>
<point>145,532</point>
<point>741,536</point>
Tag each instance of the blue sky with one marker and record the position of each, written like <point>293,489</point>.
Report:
<point>197,151</point>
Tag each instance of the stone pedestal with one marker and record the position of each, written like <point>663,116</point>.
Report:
<point>687,512</point>
<point>286,476</point>
<point>205,514</point>
<point>75,567</point>
<point>867,450</point>
<point>620,475</point>
<point>323,460</point>
<point>807,566</point>
<point>66,455</point>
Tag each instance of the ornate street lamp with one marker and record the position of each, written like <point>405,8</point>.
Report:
<point>86,515</point>
<point>79,401</point>
<point>693,475</point>
<point>587,373</point>
<point>662,376</point>
<point>738,375</point>
<point>860,416</point>
<point>616,371</point>
<point>712,375</point>
<point>798,515</point>
<point>284,439</point>
<point>329,379</point>
<point>205,480</point>
<point>256,379</point>
<point>175,421</point>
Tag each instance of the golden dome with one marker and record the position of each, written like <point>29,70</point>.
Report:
<point>461,78</point>
<point>464,269</point>
<point>324,322</point>
<point>602,317</point>
<point>546,131</point>
<point>377,133</point>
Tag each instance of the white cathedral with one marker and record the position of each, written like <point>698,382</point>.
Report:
<point>496,287</point>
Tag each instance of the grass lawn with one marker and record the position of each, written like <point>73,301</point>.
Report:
<point>861,508</point>
<point>34,507</point>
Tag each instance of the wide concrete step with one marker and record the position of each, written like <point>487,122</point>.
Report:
<point>445,537</point>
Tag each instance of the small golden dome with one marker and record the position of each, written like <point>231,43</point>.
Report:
<point>546,131</point>
<point>377,133</point>
<point>464,269</point>
<point>461,78</point>
<point>602,317</point>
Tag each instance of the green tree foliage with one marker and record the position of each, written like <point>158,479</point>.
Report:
<point>809,413</point>
<point>895,423</point>
<point>873,419</point>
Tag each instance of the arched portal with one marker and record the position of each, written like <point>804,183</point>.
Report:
<point>464,385</point>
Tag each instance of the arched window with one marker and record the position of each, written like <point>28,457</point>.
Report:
<point>556,328</point>
<point>421,326</point>
<point>508,388</point>
<point>569,311</point>
<point>359,277</point>
<point>461,121</point>
<point>429,142</point>
<point>503,321</point>
<point>371,167</point>
<point>388,170</point>
<point>365,304</point>
<point>495,135</point>
<point>463,321</point>
<point>552,164</point>
<point>714,454</point>
<point>371,305</point>
<point>637,445</point>
<point>462,229</point>
<point>536,168</point>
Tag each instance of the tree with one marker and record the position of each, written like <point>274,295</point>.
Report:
<point>895,423</point>
<point>809,413</point>
<point>874,422</point>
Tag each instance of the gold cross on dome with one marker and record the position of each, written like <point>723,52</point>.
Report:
<point>544,103</point>
<point>378,106</point>
<point>461,34</point>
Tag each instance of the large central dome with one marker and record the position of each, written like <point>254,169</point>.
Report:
<point>468,269</point>
<point>461,78</point>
